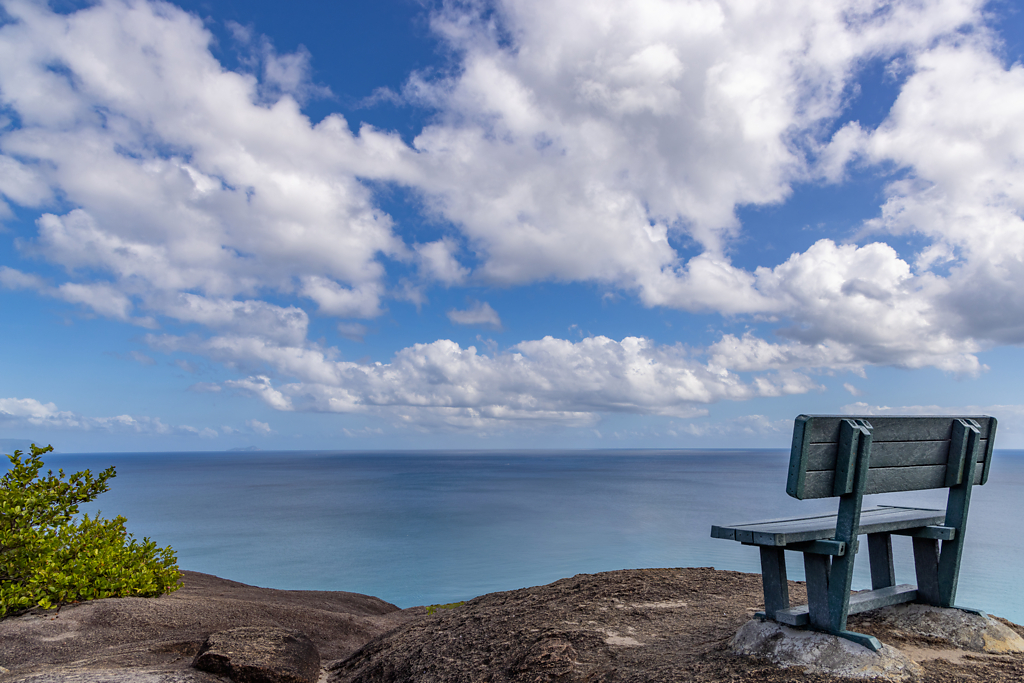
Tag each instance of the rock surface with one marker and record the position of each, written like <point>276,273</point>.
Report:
<point>159,637</point>
<point>822,653</point>
<point>640,625</point>
<point>260,654</point>
<point>950,628</point>
<point>645,625</point>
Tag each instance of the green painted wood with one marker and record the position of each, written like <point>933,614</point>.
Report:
<point>870,642</point>
<point>847,457</point>
<point>885,480</point>
<point>827,547</point>
<point>822,456</point>
<point>957,505</point>
<point>898,442</point>
<point>847,526</point>
<point>850,457</point>
<point>882,597</point>
<point>986,447</point>
<point>773,580</point>
<point>883,571</point>
<point>939,533</point>
<point>926,565</point>
<point>767,538</point>
<point>958,454</point>
<point>817,527</point>
<point>794,616</point>
<point>798,457</point>
<point>825,428</point>
<point>799,615</point>
<point>818,572</point>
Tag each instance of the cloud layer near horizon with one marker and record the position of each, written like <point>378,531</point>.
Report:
<point>173,190</point>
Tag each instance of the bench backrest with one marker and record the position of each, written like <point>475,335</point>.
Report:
<point>907,453</point>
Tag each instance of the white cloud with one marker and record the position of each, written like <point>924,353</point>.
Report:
<point>479,313</point>
<point>21,183</point>
<point>141,358</point>
<point>344,302</point>
<point>261,428</point>
<point>546,380</point>
<point>574,154</point>
<point>865,303</point>
<point>966,190</point>
<point>744,426</point>
<point>28,408</point>
<point>198,194</point>
<point>188,181</point>
<point>577,155</point>
<point>101,297</point>
<point>354,331</point>
<point>29,412</point>
<point>15,279</point>
<point>285,325</point>
<point>437,262</point>
<point>260,386</point>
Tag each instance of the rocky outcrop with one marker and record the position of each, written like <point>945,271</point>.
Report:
<point>649,626</point>
<point>157,638</point>
<point>820,653</point>
<point>260,654</point>
<point>644,625</point>
<point>947,628</point>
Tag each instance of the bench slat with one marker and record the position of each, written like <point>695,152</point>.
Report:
<point>884,479</point>
<point>822,456</point>
<point>896,428</point>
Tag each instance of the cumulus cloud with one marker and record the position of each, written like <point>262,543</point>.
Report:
<point>546,380</point>
<point>614,153</point>
<point>30,412</point>
<point>479,313</point>
<point>187,179</point>
<point>437,262</point>
<point>575,154</point>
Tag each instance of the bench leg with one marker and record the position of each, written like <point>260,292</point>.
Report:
<point>883,574</point>
<point>773,579</point>
<point>818,569</point>
<point>824,579</point>
<point>926,564</point>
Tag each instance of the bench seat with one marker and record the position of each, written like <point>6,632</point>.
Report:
<point>881,519</point>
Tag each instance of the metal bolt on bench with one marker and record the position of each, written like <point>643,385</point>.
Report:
<point>848,457</point>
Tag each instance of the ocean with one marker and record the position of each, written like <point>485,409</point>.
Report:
<point>427,527</point>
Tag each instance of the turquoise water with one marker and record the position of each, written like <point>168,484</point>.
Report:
<point>435,527</point>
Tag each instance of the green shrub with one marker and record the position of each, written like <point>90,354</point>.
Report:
<point>451,605</point>
<point>48,558</point>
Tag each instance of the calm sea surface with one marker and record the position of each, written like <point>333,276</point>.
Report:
<point>430,527</point>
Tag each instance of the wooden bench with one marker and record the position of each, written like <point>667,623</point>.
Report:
<point>847,457</point>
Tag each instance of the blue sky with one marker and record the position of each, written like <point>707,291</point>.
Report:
<point>414,224</point>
